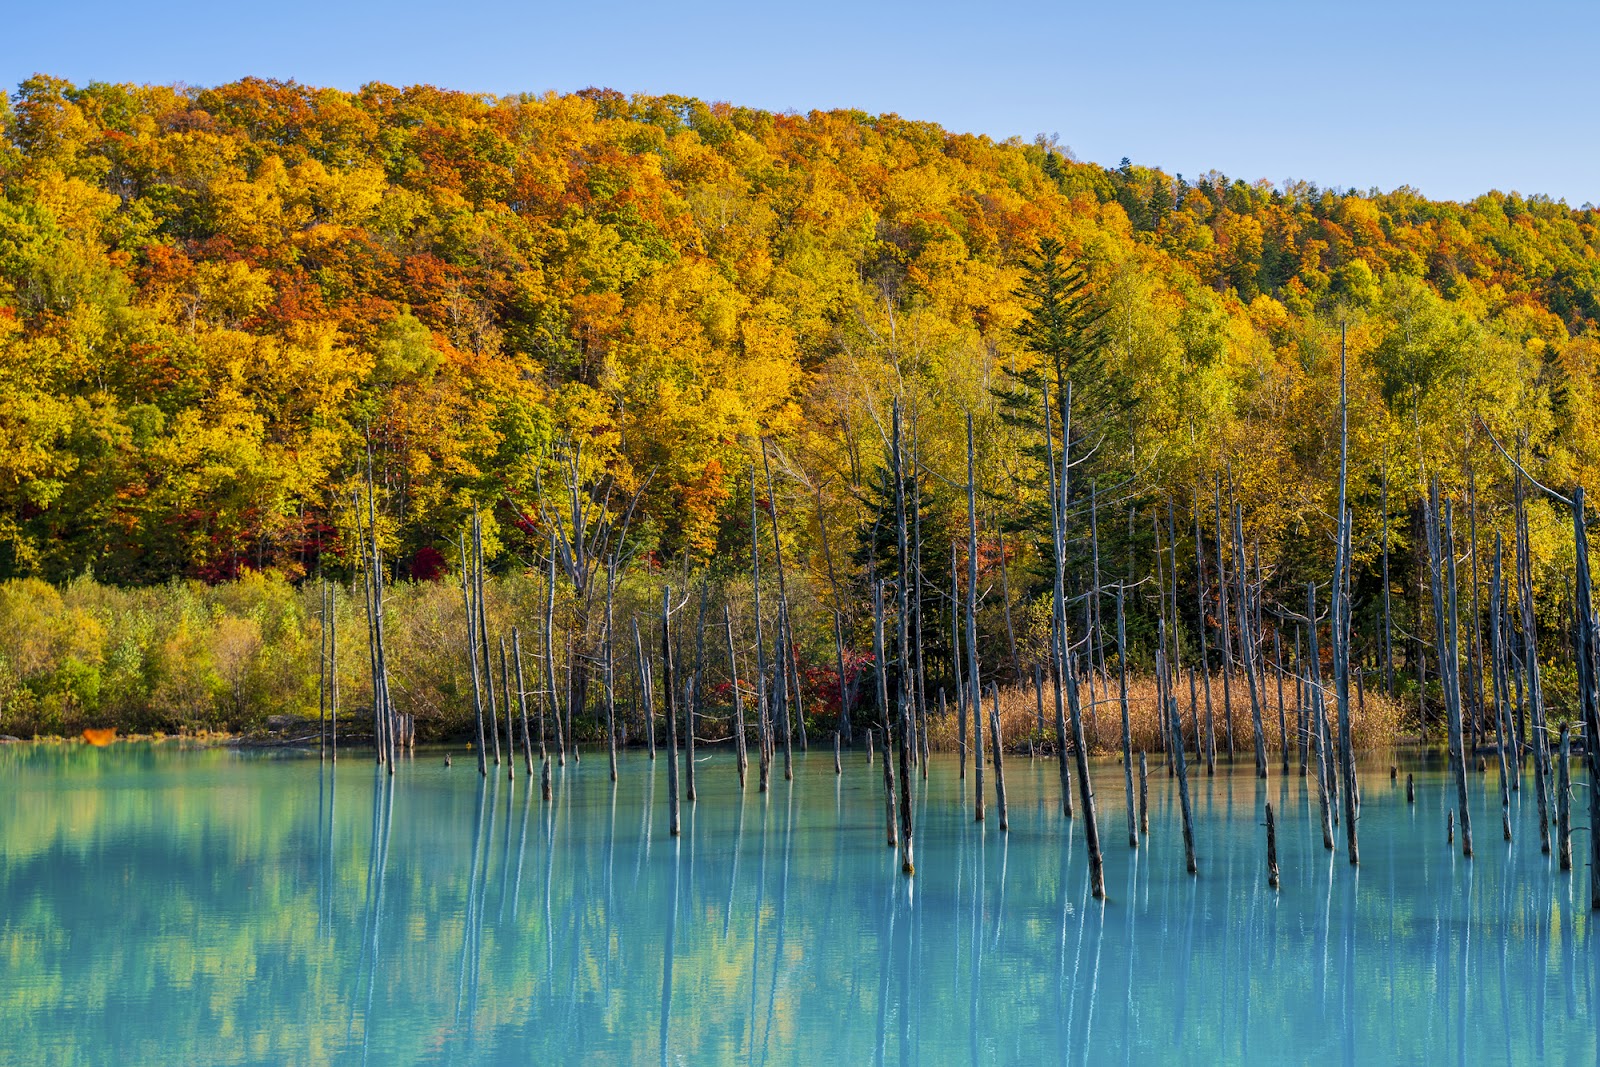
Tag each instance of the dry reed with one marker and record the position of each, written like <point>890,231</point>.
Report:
<point>1376,726</point>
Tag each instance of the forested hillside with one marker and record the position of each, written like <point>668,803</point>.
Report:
<point>218,306</point>
<point>213,301</point>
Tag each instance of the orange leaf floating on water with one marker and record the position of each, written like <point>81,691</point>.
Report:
<point>100,738</point>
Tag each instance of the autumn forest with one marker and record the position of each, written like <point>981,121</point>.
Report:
<point>638,323</point>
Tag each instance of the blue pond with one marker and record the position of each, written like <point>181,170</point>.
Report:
<point>169,905</point>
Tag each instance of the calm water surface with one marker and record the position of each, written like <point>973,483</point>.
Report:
<point>159,905</point>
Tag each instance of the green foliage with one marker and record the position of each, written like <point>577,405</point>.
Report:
<point>216,304</point>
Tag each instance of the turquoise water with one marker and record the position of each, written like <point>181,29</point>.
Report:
<point>159,905</point>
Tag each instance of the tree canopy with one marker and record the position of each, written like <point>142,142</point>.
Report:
<point>216,303</point>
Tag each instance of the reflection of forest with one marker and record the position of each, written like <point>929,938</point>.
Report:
<point>211,906</point>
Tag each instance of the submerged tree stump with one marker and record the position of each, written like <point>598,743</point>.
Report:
<point>1144,794</point>
<point>1272,848</point>
<point>1564,801</point>
<point>999,765</point>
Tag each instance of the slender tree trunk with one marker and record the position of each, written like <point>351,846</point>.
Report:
<point>955,664</point>
<point>522,701</point>
<point>1531,670</point>
<point>1444,650</point>
<point>1272,848</point>
<point>1302,686</point>
<point>974,693</point>
<point>1127,736</point>
<point>1097,881</point>
<point>1388,624</point>
<point>765,761</point>
<point>505,687</point>
<point>1340,619</point>
<point>1588,680</point>
<point>1564,802</point>
<point>1205,658</point>
<point>647,687</point>
<point>379,633</point>
<point>1498,679</point>
<point>787,663</point>
<point>550,664</point>
<point>483,634</point>
<point>1455,684</point>
<point>372,641</point>
<point>1247,646</point>
<point>1475,652</point>
<point>611,670</point>
<point>1341,668</point>
<point>738,700</point>
<point>1060,674</point>
<point>670,689</point>
<point>1183,793</point>
<point>1283,724</point>
<point>881,663</point>
<point>692,712</point>
<point>780,681</point>
<point>838,626</point>
<point>1317,714</point>
<point>333,673</point>
<point>999,761</point>
<point>322,675</point>
<point>909,701</point>
<point>1227,636</point>
<point>472,658</point>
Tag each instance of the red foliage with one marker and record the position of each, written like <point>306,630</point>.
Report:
<point>428,565</point>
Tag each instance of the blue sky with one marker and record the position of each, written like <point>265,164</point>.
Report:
<point>1450,99</point>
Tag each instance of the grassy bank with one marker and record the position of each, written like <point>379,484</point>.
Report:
<point>242,658</point>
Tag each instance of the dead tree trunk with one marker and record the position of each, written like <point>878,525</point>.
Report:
<point>955,664</point>
<point>611,667</point>
<point>1205,657</point>
<point>505,687</point>
<point>1127,736</point>
<point>1097,882</point>
<point>1227,635</point>
<point>550,664</point>
<point>1247,646</point>
<point>692,712</point>
<point>522,700</point>
<point>999,760</point>
<point>322,673</point>
<point>974,693</point>
<point>1272,848</point>
<point>483,633</point>
<point>1564,802</point>
<point>1498,681</point>
<point>765,761</point>
<point>1059,673</point>
<point>908,699</point>
<point>1183,792</point>
<point>669,688</point>
<point>838,624</point>
<point>738,700</point>
<point>472,658</point>
<point>1388,624</point>
<point>1531,670</point>
<point>1446,650</point>
<point>333,673</point>
<point>787,662</point>
<point>1317,713</point>
<point>1341,619</point>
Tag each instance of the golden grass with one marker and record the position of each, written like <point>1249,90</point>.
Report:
<point>1376,725</point>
